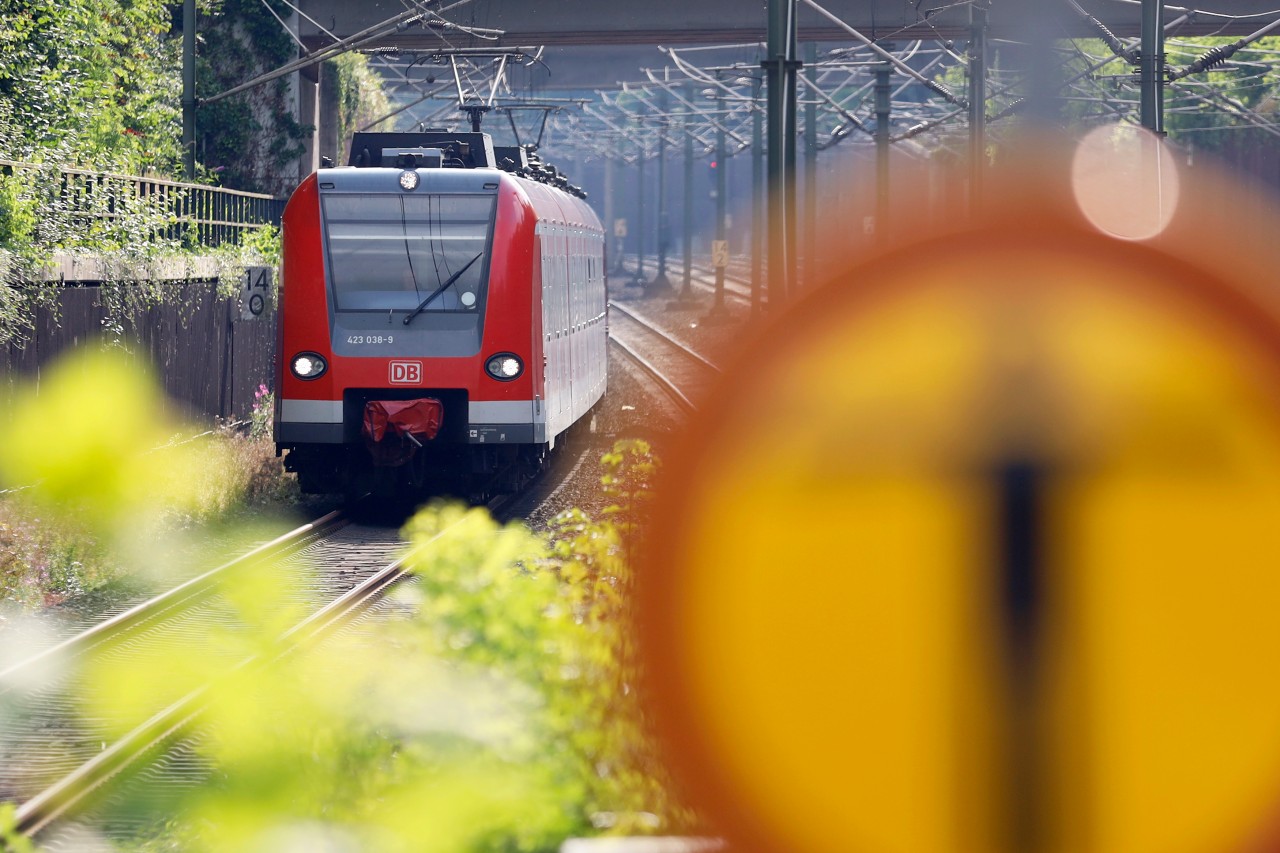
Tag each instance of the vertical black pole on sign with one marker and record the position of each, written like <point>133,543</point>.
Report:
<point>780,68</point>
<point>758,219</point>
<point>883,71</point>
<point>811,173</point>
<point>1020,486</point>
<point>189,89</point>
<point>977,101</point>
<point>686,287</point>
<point>660,284</point>
<point>1151,67</point>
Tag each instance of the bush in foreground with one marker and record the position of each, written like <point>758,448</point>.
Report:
<point>498,714</point>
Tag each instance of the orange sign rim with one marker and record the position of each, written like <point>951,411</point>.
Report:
<point>1195,275</point>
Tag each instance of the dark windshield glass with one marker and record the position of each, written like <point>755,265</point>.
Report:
<point>390,252</point>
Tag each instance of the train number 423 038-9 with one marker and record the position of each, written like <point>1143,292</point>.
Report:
<point>370,339</point>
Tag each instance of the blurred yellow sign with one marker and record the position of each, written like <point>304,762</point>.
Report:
<point>978,550</point>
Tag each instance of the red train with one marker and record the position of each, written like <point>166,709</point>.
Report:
<point>442,320</point>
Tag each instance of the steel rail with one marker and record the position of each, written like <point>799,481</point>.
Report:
<point>656,375</point>
<point>62,797</point>
<point>651,327</point>
<point>664,382</point>
<point>109,628</point>
<point>740,292</point>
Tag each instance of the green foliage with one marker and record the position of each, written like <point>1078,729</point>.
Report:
<point>558,620</point>
<point>45,212</point>
<point>262,416</point>
<point>100,471</point>
<point>1210,116</point>
<point>1213,117</point>
<point>249,141</point>
<point>11,841</point>
<point>361,98</point>
<point>43,563</point>
<point>92,444</point>
<point>131,237</point>
<point>18,214</point>
<point>47,558</point>
<point>88,82</point>
<point>629,469</point>
<point>263,245</point>
<point>498,714</point>
<point>21,260</point>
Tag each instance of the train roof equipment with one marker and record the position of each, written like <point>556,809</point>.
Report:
<point>446,149</point>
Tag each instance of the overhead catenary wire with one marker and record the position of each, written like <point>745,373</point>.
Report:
<point>1218,55</point>
<point>352,42</point>
<point>1188,10</point>
<point>931,85</point>
<point>836,84</point>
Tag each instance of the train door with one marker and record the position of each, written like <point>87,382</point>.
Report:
<point>562,323</point>
<point>550,326</point>
<point>574,318</point>
<point>538,319</point>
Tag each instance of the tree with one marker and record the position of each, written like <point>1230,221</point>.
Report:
<point>90,83</point>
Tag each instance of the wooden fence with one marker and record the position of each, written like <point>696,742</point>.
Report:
<point>209,359</point>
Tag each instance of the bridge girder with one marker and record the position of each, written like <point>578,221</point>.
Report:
<point>680,22</point>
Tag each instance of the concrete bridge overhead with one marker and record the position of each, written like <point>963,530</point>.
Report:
<point>676,22</point>
<point>595,43</point>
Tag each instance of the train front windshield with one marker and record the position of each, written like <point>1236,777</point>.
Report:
<point>413,253</point>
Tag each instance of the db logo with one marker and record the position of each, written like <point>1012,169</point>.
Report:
<point>406,373</point>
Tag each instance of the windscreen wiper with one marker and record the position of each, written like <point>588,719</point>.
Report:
<point>422,306</point>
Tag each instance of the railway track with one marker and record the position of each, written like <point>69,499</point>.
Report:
<point>681,372</point>
<point>57,746</point>
<point>737,282</point>
<point>60,754</point>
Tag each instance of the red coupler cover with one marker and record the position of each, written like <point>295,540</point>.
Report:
<point>419,418</point>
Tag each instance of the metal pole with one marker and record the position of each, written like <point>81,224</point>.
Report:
<point>660,284</point>
<point>1038,63</point>
<point>1151,66</point>
<point>639,279</point>
<point>757,195</point>
<point>792,218</point>
<point>722,166</point>
<point>686,290</point>
<point>189,89</point>
<point>882,149</point>
<point>810,176</point>
<point>780,69</point>
<point>609,224</point>
<point>977,100</point>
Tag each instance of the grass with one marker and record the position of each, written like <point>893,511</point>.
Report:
<point>46,560</point>
<point>500,713</point>
<point>44,563</point>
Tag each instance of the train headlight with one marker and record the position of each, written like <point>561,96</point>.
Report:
<point>308,365</point>
<point>409,180</point>
<point>504,366</point>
